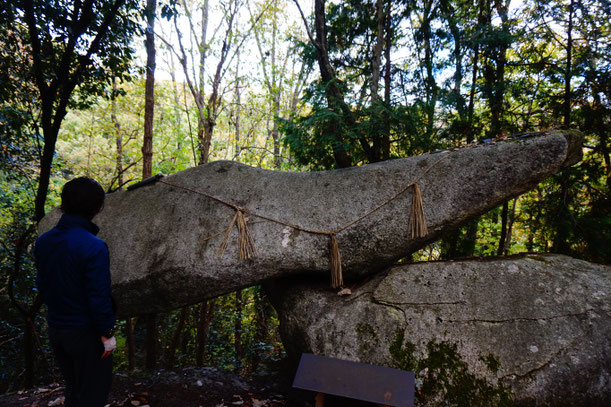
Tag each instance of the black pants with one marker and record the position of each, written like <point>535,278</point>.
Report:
<point>88,377</point>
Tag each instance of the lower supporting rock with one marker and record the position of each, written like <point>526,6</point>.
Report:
<point>522,330</point>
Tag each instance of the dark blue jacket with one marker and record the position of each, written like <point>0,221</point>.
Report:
<point>74,275</point>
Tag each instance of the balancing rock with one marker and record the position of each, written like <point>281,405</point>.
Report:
<point>523,330</point>
<point>164,240</point>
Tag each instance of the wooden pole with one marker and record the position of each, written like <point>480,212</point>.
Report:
<point>320,399</point>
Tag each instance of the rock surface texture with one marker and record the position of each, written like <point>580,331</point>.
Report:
<point>524,330</point>
<point>164,240</point>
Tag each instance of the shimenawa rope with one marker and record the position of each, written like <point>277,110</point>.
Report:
<point>247,249</point>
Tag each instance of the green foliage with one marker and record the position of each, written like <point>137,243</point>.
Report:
<point>308,136</point>
<point>19,138</point>
<point>264,346</point>
<point>16,231</point>
<point>57,34</point>
<point>313,144</point>
<point>259,338</point>
<point>88,140</point>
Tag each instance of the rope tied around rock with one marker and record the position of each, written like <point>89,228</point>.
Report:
<point>247,250</point>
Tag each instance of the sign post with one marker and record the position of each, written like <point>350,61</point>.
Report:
<point>360,381</point>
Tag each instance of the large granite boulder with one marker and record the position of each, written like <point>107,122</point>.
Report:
<point>524,330</point>
<point>164,240</point>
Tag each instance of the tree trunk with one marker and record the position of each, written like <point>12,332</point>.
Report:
<point>176,108</point>
<point>118,134</point>
<point>237,109</point>
<point>535,223</point>
<point>203,52</point>
<point>471,130</point>
<point>568,73</point>
<point>602,130</point>
<point>206,310</point>
<point>468,244</point>
<point>562,225</point>
<point>48,151</point>
<point>130,348</point>
<point>171,351</point>
<point>495,76</point>
<point>450,245</point>
<point>51,121</point>
<point>237,332</point>
<point>206,140</point>
<point>481,22</point>
<point>449,14</point>
<point>275,90</point>
<point>377,52</point>
<point>430,83</point>
<point>190,327</point>
<point>503,237</point>
<point>530,240</point>
<point>512,216</point>
<point>151,341</point>
<point>387,84</point>
<point>149,98</point>
<point>261,323</point>
<point>147,156</point>
<point>376,117</point>
<point>275,132</point>
<point>333,93</point>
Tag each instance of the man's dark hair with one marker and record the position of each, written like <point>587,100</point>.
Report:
<point>82,196</point>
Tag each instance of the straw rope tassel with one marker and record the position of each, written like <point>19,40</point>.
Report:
<point>246,242</point>
<point>417,221</point>
<point>223,245</point>
<point>337,279</point>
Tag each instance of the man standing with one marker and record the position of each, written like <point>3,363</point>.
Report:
<point>74,280</point>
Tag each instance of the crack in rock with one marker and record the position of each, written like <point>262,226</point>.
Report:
<point>420,304</point>
<point>503,321</point>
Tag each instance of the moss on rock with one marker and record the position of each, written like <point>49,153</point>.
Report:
<point>443,378</point>
<point>366,336</point>
<point>491,362</point>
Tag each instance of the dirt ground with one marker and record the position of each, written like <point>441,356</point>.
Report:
<point>188,387</point>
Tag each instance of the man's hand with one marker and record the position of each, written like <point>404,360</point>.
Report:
<point>109,345</point>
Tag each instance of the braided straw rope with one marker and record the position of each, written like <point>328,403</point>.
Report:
<point>247,250</point>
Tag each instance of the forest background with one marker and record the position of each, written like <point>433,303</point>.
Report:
<point>120,90</point>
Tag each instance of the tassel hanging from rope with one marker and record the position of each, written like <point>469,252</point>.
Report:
<point>246,242</point>
<point>337,279</point>
<point>417,221</point>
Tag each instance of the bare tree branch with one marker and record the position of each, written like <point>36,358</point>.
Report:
<point>307,27</point>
